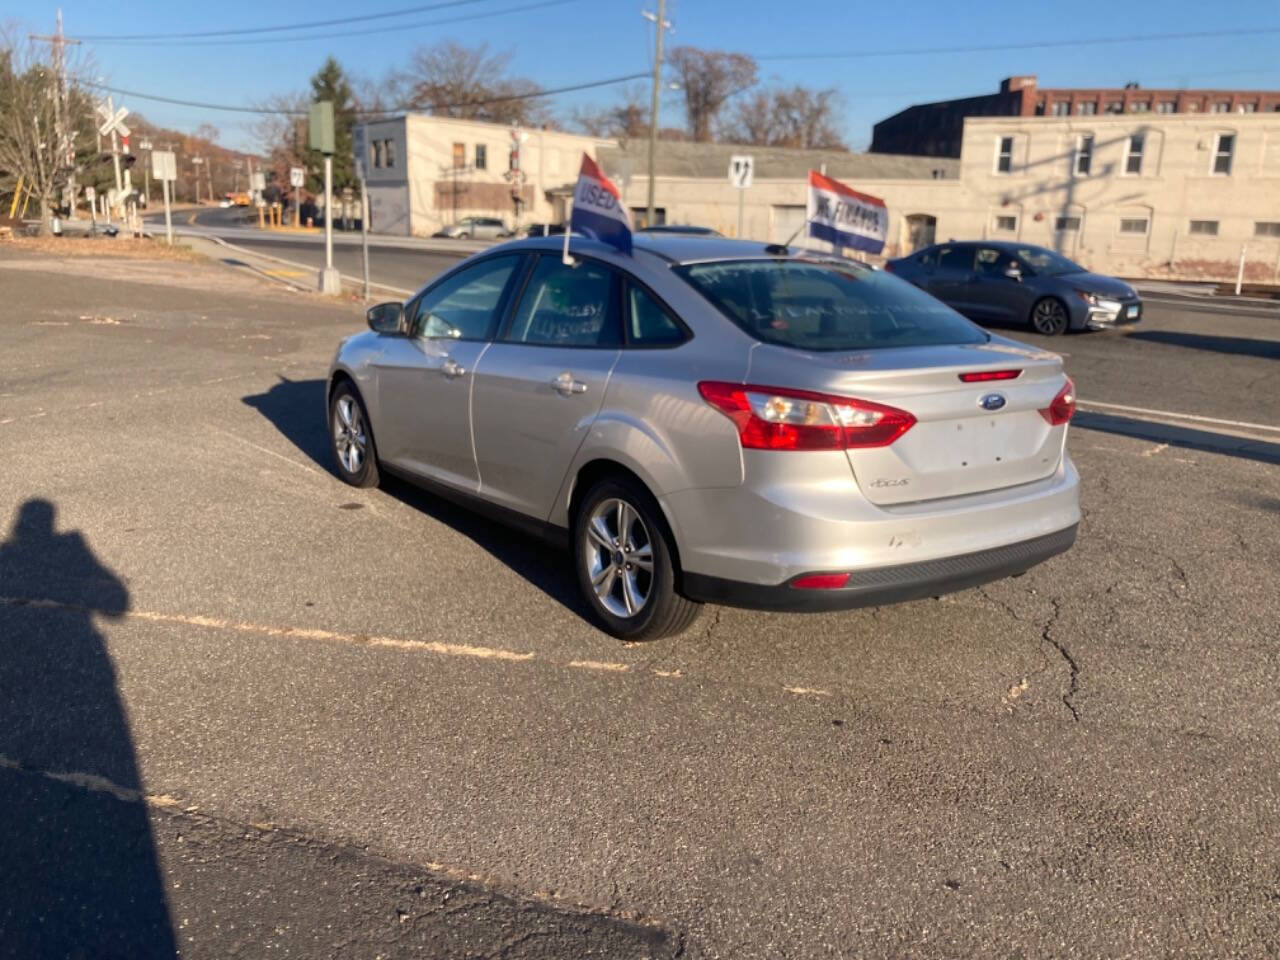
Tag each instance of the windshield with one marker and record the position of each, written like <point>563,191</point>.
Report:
<point>1046,262</point>
<point>827,306</point>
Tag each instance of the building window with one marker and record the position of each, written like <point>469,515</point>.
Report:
<point>1066,224</point>
<point>1166,106</point>
<point>1222,153</point>
<point>1134,226</point>
<point>391,153</point>
<point>1193,106</point>
<point>1204,228</point>
<point>384,153</point>
<point>1087,108</point>
<point>1266,228</point>
<point>1133,160</point>
<point>1222,106</point>
<point>1084,154</point>
<point>1115,106</point>
<point>1061,108</point>
<point>482,157</point>
<point>1248,108</point>
<point>1140,106</point>
<point>1006,224</point>
<point>1004,155</point>
<point>1040,108</point>
<point>459,156</point>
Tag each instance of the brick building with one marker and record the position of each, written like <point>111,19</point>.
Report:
<point>936,129</point>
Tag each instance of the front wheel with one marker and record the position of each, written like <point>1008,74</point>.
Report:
<point>1049,317</point>
<point>624,562</point>
<point>351,438</point>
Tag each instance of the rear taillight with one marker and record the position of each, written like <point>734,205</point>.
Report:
<point>982,376</point>
<point>1063,406</point>
<point>780,418</point>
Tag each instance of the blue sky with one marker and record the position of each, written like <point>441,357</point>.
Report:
<point>580,40</point>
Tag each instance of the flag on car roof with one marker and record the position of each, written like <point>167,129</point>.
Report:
<point>598,211</point>
<point>841,215</point>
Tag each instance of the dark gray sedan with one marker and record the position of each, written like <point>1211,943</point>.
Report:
<point>1018,283</point>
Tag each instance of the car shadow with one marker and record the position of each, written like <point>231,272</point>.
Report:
<point>76,843</point>
<point>1238,346</point>
<point>296,409</point>
<point>1188,437</point>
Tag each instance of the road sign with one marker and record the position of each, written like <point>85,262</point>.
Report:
<point>741,170</point>
<point>90,194</point>
<point>164,165</point>
<point>321,127</point>
<point>112,122</point>
<point>297,176</point>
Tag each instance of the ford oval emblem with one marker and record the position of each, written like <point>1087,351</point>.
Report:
<point>992,401</point>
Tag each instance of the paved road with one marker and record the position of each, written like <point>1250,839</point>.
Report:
<point>371,694</point>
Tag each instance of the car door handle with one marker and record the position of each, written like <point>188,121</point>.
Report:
<point>566,386</point>
<point>451,368</point>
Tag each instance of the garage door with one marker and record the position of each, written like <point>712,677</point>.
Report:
<point>786,220</point>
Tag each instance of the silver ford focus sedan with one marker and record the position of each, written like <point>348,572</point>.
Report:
<point>714,420</point>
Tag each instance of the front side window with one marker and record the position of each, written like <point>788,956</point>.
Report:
<point>1004,155</point>
<point>992,262</point>
<point>567,306</point>
<point>465,305</point>
<point>647,323</point>
<point>1133,161</point>
<point>1045,262</point>
<point>956,258</point>
<point>1222,154</point>
<point>826,305</point>
<point>1084,154</point>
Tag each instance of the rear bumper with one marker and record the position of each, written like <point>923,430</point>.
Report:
<point>895,584</point>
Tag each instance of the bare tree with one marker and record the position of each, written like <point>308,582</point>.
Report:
<point>628,119</point>
<point>31,159</point>
<point>709,78</point>
<point>452,80</point>
<point>796,116</point>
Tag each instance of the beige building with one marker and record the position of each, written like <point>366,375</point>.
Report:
<point>1154,195</point>
<point>426,172</point>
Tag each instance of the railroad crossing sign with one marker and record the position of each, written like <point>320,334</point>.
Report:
<point>112,122</point>
<point>741,169</point>
<point>297,176</point>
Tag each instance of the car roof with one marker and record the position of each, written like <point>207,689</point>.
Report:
<point>1007,246</point>
<point>674,248</point>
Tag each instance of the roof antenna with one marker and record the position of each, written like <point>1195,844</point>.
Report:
<point>782,247</point>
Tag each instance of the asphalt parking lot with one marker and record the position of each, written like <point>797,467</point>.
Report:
<point>246,708</point>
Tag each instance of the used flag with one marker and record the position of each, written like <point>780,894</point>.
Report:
<point>843,216</point>
<point>598,212</point>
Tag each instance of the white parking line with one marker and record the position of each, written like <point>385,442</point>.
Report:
<point>1172,415</point>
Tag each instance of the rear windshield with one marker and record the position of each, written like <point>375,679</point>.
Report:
<point>827,306</point>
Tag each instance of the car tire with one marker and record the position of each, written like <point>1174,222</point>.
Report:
<point>1049,317</point>
<point>618,527</point>
<point>351,437</point>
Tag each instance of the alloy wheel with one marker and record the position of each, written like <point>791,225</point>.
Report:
<point>350,440</point>
<point>1049,318</point>
<point>618,553</point>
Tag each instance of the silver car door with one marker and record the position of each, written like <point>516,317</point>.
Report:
<point>424,379</point>
<point>539,387</point>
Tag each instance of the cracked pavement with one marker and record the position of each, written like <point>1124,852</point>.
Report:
<point>260,712</point>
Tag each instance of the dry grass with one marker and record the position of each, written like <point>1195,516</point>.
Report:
<point>126,248</point>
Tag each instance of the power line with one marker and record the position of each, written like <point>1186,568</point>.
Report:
<point>532,95</point>
<point>405,11</point>
<point>1025,45</point>
<point>397,28</point>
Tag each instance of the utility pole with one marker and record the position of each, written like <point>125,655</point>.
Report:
<point>196,161</point>
<point>660,25</point>
<point>145,144</point>
<point>66,154</point>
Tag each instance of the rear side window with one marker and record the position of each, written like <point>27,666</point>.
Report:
<point>820,306</point>
<point>647,323</point>
<point>567,306</point>
<point>928,258</point>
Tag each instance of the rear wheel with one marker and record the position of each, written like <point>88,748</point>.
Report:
<point>351,438</point>
<point>624,561</point>
<point>1049,317</point>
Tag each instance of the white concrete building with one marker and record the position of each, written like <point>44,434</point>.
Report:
<point>1138,194</point>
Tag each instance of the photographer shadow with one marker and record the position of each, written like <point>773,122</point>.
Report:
<point>78,864</point>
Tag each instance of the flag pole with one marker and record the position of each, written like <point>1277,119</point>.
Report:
<point>567,260</point>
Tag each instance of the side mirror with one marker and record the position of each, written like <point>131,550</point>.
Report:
<point>1013,272</point>
<point>386,318</point>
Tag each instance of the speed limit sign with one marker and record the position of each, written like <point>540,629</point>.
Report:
<point>296,176</point>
